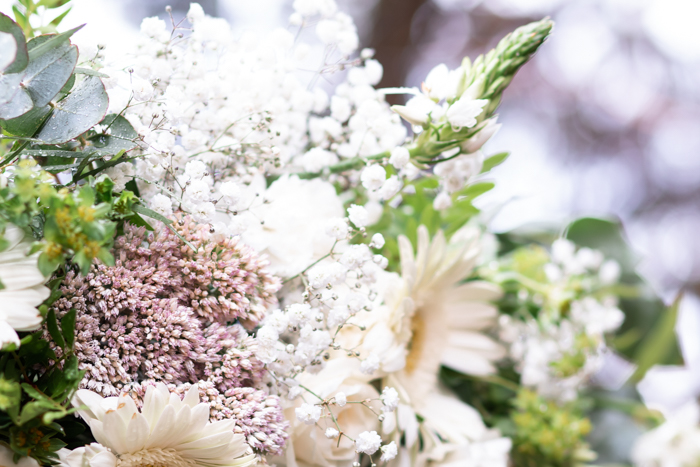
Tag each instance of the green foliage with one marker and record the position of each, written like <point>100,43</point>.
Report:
<point>417,209</point>
<point>547,434</point>
<point>34,402</point>
<point>26,10</point>
<point>647,336</point>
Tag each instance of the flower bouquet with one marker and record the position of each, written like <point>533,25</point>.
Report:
<point>208,260</point>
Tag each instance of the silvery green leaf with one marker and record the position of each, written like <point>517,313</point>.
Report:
<point>20,59</point>
<point>40,45</point>
<point>8,50</point>
<point>14,101</point>
<point>121,136</point>
<point>48,73</point>
<point>77,113</point>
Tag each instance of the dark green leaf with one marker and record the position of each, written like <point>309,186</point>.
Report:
<point>77,113</point>
<point>52,326</point>
<point>68,327</point>
<point>47,73</point>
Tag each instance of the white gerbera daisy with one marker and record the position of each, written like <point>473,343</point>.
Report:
<point>166,432</point>
<point>439,318</point>
<point>23,287</point>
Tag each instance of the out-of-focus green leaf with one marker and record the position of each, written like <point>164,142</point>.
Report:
<point>493,161</point>
<point>660,343</point>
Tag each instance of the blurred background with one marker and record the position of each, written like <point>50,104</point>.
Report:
<point>604,122</point>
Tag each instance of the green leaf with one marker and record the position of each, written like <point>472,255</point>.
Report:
<point>77,113</point>
<point>14,101</point>
<point>90,72</point>
<point>52,326</point>
<point>141,209</point>
<point>68,327</point>
<point>493,161</point>
<point>660,342</point>
<point>121,136</point>
<point>52,42</point>
<point>10,396</point>
<point>57,153</point>
<point>32,410</point>
<point>48,266</point>
<point>49,417</point>
<point>27,124</point>
<point>19,58</point>
<point>47,73</point>
<point>57,20</point>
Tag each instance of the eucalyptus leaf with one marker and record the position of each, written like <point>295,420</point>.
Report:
<point>121,136</point>
<point>77,113</point>
<point>14,101</point>
<point>46,74</point>
<point>8,50</point>
<point>20,60</point>
<point>27,124</point>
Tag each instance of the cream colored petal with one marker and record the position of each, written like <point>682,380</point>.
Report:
<point>162,430</point>
<point>468,362</point>
<point>408,265</point>
<point>137,433</point>
<point>21,274</point>
<point>7,335</point>
<point>114,430</point>
<point>476,291</point>
<point>93,402</point>
<point>192,396</point>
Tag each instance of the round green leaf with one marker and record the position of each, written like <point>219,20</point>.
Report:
<point>8,50</point>
<point>77,113</point>
<point>20,59</point>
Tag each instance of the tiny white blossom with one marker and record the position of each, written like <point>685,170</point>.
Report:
<point>204,212</point>
<point>373,177</point>
<point>337,228</point>
<point>195,13</point>
<point>390,399</point>
<point>308,413</point>
<point>231,192</point>
<point>389,452</point>
<point>442,201</point>
<point>358,215</point>
<point>391,187</point>
<point>609,272</point>
<point>340,108</point>
<point>198,190</point>
<point>332,433</point>
<point>370,365</point>
<point>399,157</point>
<point>162,204</point>
<point>368,442</point>
<point>377,241</point>
<point>195,169</point>
<point>341,399</point>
